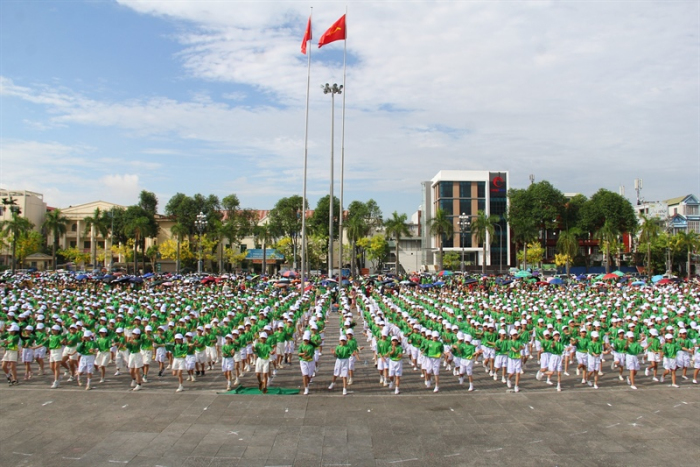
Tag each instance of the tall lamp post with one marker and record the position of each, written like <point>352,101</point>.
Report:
<point>16,211</point>
<point>464,223</point>
<point>200,224</point>
<point>332,90</point>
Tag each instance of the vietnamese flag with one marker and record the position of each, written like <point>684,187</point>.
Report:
<point>334,33</point>
<point>307,36</point>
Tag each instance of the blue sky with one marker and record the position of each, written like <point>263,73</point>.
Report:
<point>102,99</point>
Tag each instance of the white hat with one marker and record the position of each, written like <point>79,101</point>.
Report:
<point>14,327</point>
<point>307,336</point>
<point>350,332</point>
<point>120,330</point>
<point>669,336</point>
<point>136,331</point>
<point>149,328</point>
<point>503,331</point>
<point>594,334</point>
<point>87,333</point>
<point>178,336</point>
<point>435,334</point>
<point>629,334</point>
<point>394,338</point>
<point>56,327</point>
<point>513,332</point>
<point>263,335</point>
<point>343,337</point>
<point>103,330</point>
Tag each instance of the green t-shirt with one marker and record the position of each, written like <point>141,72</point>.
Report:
<point>262,350</point>
<point>595,348</point>
<point>435,349</point>
<point>306,352</point>
<point>55,341</point>
<point>516,347</point>
<point>343,351</point>
<point>396,353</point>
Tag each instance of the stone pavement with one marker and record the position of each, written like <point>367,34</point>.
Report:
<point>370,427</point>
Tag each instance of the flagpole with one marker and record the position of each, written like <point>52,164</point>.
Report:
<point>306,157</point>
<point>342,154</point>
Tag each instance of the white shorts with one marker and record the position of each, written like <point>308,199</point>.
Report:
<point>414,352</point>
<point>40,353</point>
<point>382,363</point>
<point>340,370</point>
<point>102,358</point>
<point>632,362</point>
<point>27,355</point>
<point>70,350</point>
<point>212,354</point>
<point>593,363</point>
<point>179,364</point>
<point>619,357</point>
<point>554,363</point>
<point>489,352</point>
<point>538,346</point>
<point>395,368</point>
<point>501,361</point>
<point>433,366</point>
<point>86,365</point>
<point>288,346</point>
<point>683,359</point>
<point>544,360</point>
<point>351,363</point>
<point>161,355</point>
<point>466,366</point>
<point>582,358</point>
<point>147,356</point>
<point>55,355</point>
<point>262,365</point>
<point>190,362</point>
<point>670,363</point>
<point>201,356</point>
<point>135,360</point>
<point>515,366</point>
<point>227,364</point>
<point>307,368</point>
<point>280,348</point>
<point>10,356</point>
<point>236,357</point>
<point>653,357</point>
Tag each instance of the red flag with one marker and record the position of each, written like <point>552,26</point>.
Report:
<point>307,36</point>
<point>334,33</point>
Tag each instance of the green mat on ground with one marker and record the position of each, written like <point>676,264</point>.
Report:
<point>255,390</point>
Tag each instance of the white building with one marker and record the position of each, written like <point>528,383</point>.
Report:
<point>31,205</point>
<point>466,192</point>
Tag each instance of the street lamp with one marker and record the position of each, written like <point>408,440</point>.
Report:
<point>464,224</point>
<point>111,241</point>
<point>200,224</point>
<point>15,212</point>
<point>332,90</point>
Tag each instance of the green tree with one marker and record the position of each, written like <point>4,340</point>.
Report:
<point>376,248</point>
<point>286,218</point>
<point>16,227</point>
<point>148,201</point>
<point>356,228</point>
<point>180,232</point>
<point>28,244</point>
<point>397,227</point>
<point>607,206</point>
<point>55,224</point>
<point>451,260</point>
<point>152,254</point>
<point>318,222</point>
<point>690,241</point>
<point>441,225</point>
<point>567,245</point>
<point>648,233</point>
<point>137,229</point>
<point>483,229</point>
<point>362,219</point>
<point>94,224</point>
<point>607,235</point>
<point>264,235</point>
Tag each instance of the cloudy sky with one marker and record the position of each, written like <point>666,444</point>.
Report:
<point>102,99</point>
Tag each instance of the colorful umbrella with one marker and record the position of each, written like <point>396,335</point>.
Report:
<point>289,273</point>
<point>618,273</point>
<point>523,274</point>
<point>445,273</point>
<point>610,276</point>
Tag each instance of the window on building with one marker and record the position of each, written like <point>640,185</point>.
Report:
<point>481,205</point>
<point>73,244</point>
<point>74,227</point>
<point>86,244</point>
<point>691,210</point>
<point>446,205</point>
<point>481,189</point>
<point>465,189</point>
<point>694,226</point>
<point>445,189</point>
<point>101,244</point>
<point>448,242</point>
<point>465,206</point>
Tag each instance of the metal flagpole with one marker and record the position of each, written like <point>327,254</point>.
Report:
<point>342,155</point>
<point>306,154</point>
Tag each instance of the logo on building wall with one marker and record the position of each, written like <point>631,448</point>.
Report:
<point>498,183</point>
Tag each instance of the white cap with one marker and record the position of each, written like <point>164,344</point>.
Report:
<point>513,332</point>
<point>263,335</point>
<point>178,336</point>
<point>343,337</point>
<point>629,334</point>
<point>56,327</point>
<point>435,334</point>
<point>669,336</point>
<point>307,336</point>
<point>87,333</point>
<point>594,334</point>
<point>149,328</point>
<point>103,330</point>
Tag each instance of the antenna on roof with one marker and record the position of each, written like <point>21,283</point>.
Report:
<point>638,189</point>
<point>532,179</point>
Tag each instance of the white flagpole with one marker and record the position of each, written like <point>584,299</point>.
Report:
<point>306,154</point>
<point>342,154</point>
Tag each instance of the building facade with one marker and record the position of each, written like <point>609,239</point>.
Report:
<point>31,205</point>
<point>465,193</point>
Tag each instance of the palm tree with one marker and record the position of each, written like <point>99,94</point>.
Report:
<point>649,231</point>
<point>18,227</point>
<point>264,235</point>
<point>136,229</point>
<point>96,223</point>
<point>568,244</point>
<point>180,232</point>
<point>483,228</point>
<point>690,241</point>
<point>396,227</point>
<point>55,224</point>
<point>356,228</point>
<point>607,236</point>
<point>441,225</point>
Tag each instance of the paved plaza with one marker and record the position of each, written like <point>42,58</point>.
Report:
<point>370,427</point>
